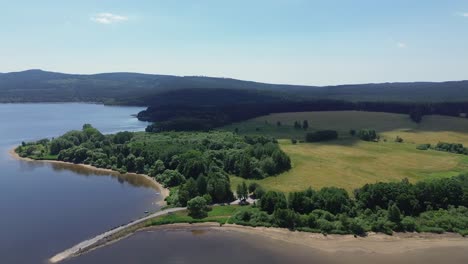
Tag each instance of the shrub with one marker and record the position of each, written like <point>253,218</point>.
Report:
<point>368,135</point>
<point>170,178</point>
<point>408,224</point>
<point>197,208</point>
<point>325,225</point>
<point>323,135</point>
<point>357,227</point>
<point>424,146</point>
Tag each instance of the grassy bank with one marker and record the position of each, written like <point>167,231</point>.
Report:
<point>218,214</point>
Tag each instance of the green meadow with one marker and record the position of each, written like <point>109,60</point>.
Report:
<point>349,162</point>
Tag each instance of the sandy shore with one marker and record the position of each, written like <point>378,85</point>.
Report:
<point>373,243</point>
<point>164,192</point>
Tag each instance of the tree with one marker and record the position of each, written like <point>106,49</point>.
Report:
<point>253,186</point>
<point>170,178</point>
<point>352,132</point>
<point>305,124</point>
<point>268,166</point>
<point>140,164</point>
<point>368,135</point>
<point>245,167</point>
<point>322,135</point>
<point>259,192</point>
<point>297,125</point>
<point>157,168</point>
<point>197,207</point>
<point>357,227</point>
<point>286,218</point>
<point>201,184</point>
<point>282,161</point>
<point>416,115</point>
<point>242,191</point>
<point>191,187</point>
<point>394,214</point>
<point>333,200</point>
<point>219,187</point>
<point>273,200</point>
<point>130,162</point>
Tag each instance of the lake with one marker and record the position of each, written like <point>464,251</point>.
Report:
<point>45,208</point>
<point>202,245</point>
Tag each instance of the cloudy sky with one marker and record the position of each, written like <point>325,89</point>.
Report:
<point>278,41</point>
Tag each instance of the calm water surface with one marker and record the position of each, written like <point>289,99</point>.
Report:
<point>45,208</point>
<point>198,245</point>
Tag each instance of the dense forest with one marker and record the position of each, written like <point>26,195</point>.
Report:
<point>428,206</point>
<point>140,89</point>
<point>203,109</point>
<point>192,163</point>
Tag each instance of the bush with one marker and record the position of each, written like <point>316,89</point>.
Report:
<point>197,208</point>
<point>368,135</point>
<point>431,229</point>
<point>170,178</point>
<point>356,227</point>
<point>423,146</point>
<point>272,201</point>
<point>408,224</point>
<point>323,135</point>
<point>325,225</point>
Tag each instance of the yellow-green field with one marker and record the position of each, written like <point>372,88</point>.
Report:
<point>349,163</point>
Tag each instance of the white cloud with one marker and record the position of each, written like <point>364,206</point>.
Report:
<point>108,18</point>
<point>401,45</point>
<point>464,14</point>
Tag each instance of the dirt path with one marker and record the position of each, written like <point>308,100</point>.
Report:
<point>90,243</point>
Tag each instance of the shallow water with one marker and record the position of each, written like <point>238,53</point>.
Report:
<point>45,208</point>
<point>199,245</point>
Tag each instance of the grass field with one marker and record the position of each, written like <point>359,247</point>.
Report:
<point>348,162</point>
<point>219,214</point>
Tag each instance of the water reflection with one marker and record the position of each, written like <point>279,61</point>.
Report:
<point>133,179</point>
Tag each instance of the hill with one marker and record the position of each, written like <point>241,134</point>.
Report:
<point>136,88</point>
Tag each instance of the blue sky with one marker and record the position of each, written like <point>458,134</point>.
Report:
<point>278,41</point>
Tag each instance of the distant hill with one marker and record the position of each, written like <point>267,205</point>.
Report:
<point>140,89</point>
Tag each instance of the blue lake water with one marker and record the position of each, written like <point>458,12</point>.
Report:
<point>45,208</point>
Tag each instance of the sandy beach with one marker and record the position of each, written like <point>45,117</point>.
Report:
<point>211,243</point>
<point>372,243</point>
<point>164,192</point>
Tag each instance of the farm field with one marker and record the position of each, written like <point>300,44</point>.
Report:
<point>349,162</point>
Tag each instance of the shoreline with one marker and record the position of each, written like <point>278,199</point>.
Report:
<point>372,243</point>
<point>164,192</point>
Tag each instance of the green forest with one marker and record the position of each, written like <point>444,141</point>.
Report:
<point>190,163</point>
<point>196,167</point>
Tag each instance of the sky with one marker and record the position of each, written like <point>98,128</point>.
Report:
<point>308,42</point>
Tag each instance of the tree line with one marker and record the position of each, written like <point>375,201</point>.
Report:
<point>428,206</point>
<point>192,164</point>
<point>180,117</point>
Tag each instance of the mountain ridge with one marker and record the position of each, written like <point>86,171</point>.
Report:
<point>130,88</point>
